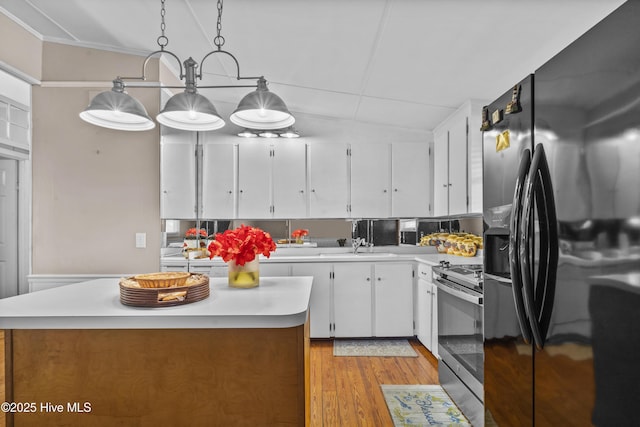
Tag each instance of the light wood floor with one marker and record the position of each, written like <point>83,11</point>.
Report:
<point>345,391</point>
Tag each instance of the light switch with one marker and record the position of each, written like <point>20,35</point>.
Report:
<point>141,240</point>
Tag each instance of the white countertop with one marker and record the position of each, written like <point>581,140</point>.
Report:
<point>278,302</point>
<point>427,258</point>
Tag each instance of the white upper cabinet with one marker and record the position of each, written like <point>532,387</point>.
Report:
<point>458,162</point>
<point>254,180</point>
<point>370,180</point>
<point>289,174</point>
<point>410,178</point>
<point>178,174</point>
<point>219,168</point>
<point>328,180</point>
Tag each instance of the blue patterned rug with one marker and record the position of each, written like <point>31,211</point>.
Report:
<point>422,405</point>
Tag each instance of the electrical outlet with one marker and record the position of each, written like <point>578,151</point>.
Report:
<point>141,240</point>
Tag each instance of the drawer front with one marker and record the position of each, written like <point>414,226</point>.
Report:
<point>424,272</point>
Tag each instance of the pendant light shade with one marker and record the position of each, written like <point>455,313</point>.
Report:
<point>190,111</point>
<point>262,109</point>
<point>116,109</point>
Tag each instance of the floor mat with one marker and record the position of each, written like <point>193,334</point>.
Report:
<point>422,405</point>
<point>377,347</point>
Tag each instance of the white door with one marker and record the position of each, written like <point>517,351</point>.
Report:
<point>458,167</point>
<point>218,178</point>
<point>328,180</point>
<point>352,299</point>
<point>320,303</point>
<point>410,195</point>
<point>254,180</point>
<point>289,179</point>
<point>441,173</point>
<point>434,320</point>
<point>178,175</point>
<point>8,228</point>
<point>393,294</point>
<point>370,180</point>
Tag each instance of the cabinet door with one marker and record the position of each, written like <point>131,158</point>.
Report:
<point>219,166</point>
<point>352,299</point>
<point>458,166</point>
<point>178,175</point>
<point>320,303</point>
<point>393,293</point>
<point>254,180</point>
<point>328,180</point>
<point>441,173</point>
<point>423,313</point>
<point>434,320</point>
<point>370,180</point>
<point>410,195</point>
<point>273,269</point>
<point>289,179</point>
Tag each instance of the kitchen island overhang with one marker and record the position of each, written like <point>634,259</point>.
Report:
<point>239,357</point>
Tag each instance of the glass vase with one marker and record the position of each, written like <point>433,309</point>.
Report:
<point>244,276</point>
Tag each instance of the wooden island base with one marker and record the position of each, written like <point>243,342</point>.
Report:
<point>160,377</point>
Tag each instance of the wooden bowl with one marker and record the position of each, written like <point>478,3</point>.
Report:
<point>165,279</point>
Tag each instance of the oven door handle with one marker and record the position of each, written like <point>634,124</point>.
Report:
<point>443,286</point>
<point>514,247</point>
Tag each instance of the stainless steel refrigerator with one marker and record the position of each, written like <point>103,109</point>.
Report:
<point>562,236</point>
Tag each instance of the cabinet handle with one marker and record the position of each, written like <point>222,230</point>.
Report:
<point>230,192</point>
<point>384,191</point>
<point>450,185</point>
<point>395,189</point>
<point>301,191</point>
<point>241,191</point>
<point>379,279</point>
<point>313,190</point>
<point>368,279</point>
<point>444,185</point>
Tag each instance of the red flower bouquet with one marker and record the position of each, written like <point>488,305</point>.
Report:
<point>299,233</point>
<point>242,245</point>
<point>193,233</point>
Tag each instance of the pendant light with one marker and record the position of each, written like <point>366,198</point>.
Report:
<point>188,110</point>
<point>116,109</point>
<point>262,109</point>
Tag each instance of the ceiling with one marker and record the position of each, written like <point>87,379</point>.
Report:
<point>402,63</point>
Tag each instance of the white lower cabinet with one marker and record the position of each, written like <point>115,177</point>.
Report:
<point>393,300</point>
<point>427,310</point>
<point>275,269</point>
<point>352,299</point>
<point>320,304</point>
<point>372,299</point>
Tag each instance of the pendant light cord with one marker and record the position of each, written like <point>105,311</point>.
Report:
<point>162,40</point>
<point>218,40</point>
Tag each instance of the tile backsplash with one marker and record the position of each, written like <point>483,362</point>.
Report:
<point>327,232</point>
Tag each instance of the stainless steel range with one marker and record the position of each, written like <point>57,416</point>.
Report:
<point>460,336</point>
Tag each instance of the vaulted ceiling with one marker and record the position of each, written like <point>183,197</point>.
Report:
<point>404,63</point>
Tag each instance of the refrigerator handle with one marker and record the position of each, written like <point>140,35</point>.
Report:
<point>514,260</point>
<point>546,286</point>
<point>539,305</point>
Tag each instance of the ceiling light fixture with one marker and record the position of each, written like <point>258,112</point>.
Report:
<point>289,132</point>
<point>188,110</point>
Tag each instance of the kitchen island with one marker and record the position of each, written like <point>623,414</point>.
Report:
<point>76,356</point>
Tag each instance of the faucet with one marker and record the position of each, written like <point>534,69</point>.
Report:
<point>356,243</point>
